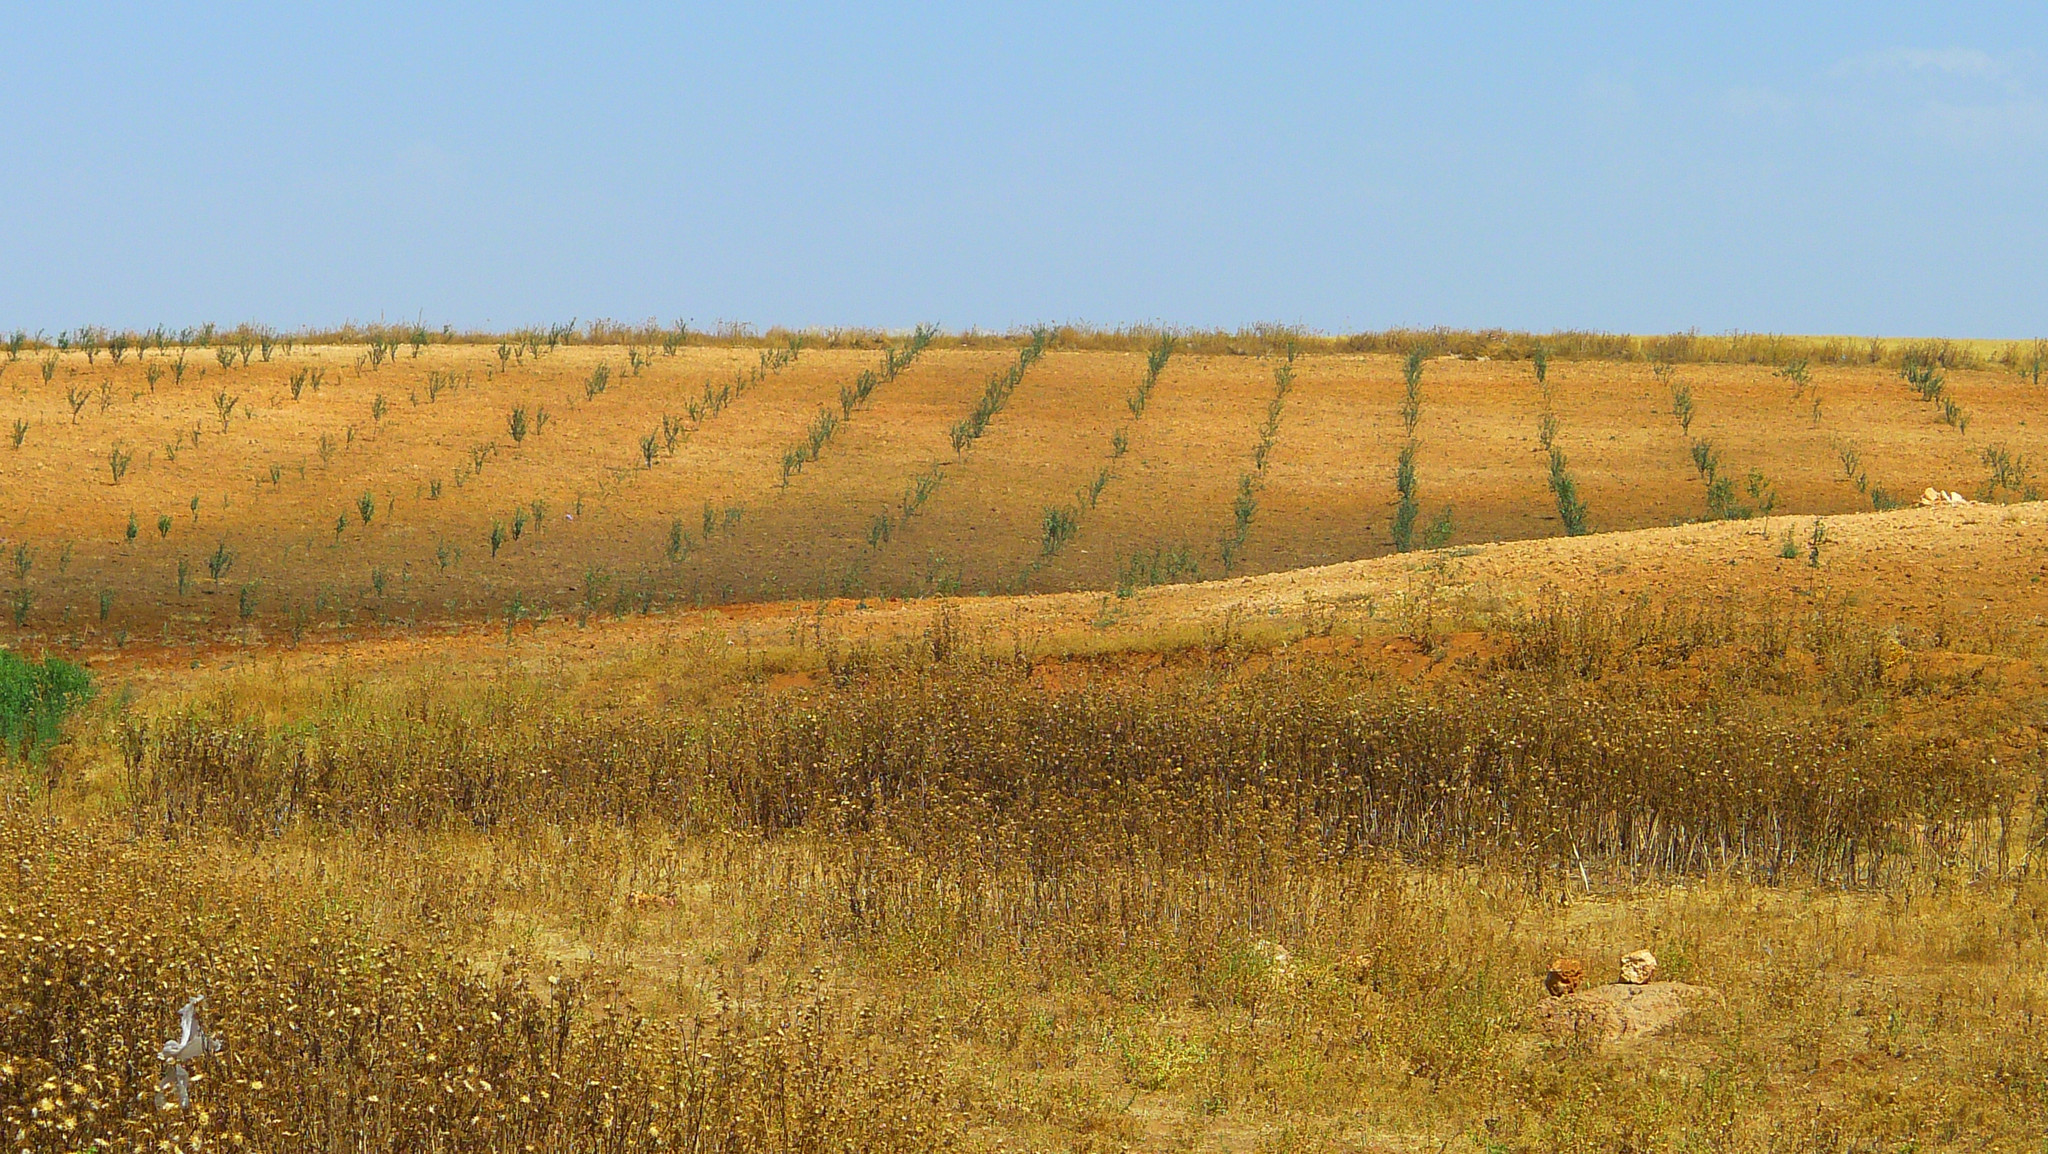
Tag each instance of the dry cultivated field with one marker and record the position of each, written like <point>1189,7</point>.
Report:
<point>623,739</point>
<point>266,490</point>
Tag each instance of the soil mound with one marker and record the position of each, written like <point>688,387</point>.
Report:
<point>1621,1012</point>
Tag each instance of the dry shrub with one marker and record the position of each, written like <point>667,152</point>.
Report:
<point>975,761</point>
<point>338,1042</point>
<point>1251,884</point>
<point>1250,340</point>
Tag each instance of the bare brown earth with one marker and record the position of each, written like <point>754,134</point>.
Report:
<point>597,519</point>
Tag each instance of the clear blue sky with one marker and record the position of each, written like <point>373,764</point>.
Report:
<point>1853,168</point>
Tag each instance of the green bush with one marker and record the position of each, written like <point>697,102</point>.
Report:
<point>33,701</point>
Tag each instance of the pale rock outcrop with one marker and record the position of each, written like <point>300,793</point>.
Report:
<point>1639,968</point>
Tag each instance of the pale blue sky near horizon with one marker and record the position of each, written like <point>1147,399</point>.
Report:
<point>1861,168</point>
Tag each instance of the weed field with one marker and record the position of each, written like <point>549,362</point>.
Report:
<point>633,740</point>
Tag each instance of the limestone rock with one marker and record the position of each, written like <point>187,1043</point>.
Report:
<point>1620,1012</point>
<point>1639,968</point>
<point>1565,977</point>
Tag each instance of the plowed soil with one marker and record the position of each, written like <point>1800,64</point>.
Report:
<point>275,495</point>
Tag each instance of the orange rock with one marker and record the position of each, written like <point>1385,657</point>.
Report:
<point>1565,977</point>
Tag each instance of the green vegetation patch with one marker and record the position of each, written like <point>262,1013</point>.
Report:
<point>34,699</point>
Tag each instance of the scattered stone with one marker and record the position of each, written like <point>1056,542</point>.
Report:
<point>1933,497</point>
<point>1620,1012</point>
<point>1565,977</point>
<point>1639,968</point>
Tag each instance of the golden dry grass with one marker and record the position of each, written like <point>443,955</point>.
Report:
<point>1241,896</point>
<point>1271,863</point>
